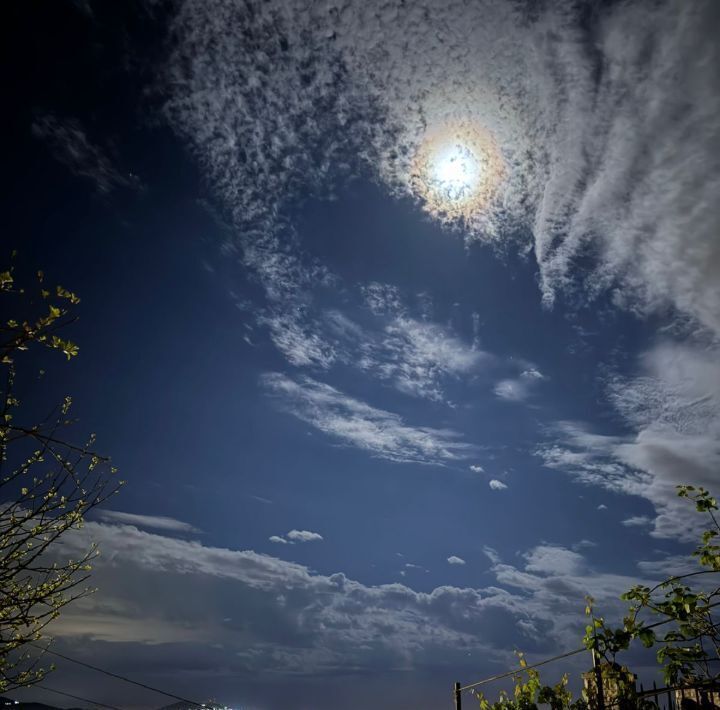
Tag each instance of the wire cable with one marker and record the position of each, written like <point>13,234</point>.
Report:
<point>119,677</point>
<point>521,670</point>
<point>554,658</point>
<point>75,697</point>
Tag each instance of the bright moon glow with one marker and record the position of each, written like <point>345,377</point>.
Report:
<point>456,172</point>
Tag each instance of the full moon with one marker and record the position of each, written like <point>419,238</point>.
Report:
<point>456,172</point>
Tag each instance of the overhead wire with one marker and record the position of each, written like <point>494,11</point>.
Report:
<point>559,657</point>
<point>76,697</point>
<point>118,676</point>
<point>520,670</point>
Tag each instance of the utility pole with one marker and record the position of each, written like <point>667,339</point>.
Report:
<point>458,696</point>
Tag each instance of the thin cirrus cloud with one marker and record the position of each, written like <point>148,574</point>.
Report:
<point>355,423</point>
<point>155,522</point>
<point>671,407</point>
<point>606,167</point>
<point>637,521</point>
<point>68,140</point>
<point>518,389</point>
<point>414,356</point>
<point>591,167</point>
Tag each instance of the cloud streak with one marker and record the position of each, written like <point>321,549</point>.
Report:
<point>69,143</point>
<point>355,423</point>
<point>671,407</point>
<point>154,522</point>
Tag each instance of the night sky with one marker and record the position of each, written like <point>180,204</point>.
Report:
<point>400,319</point>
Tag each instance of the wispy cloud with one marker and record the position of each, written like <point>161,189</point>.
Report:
<point>672,408</point>
<point>518,389</point>
<point>69,143</point>
<point>301,340</point>
<point>637,521</point>
<point>476,468</point>
<point>554,560</point>
<point>155,522</point>
<point>497,485</point>
<point>416,355</point>
<point>355,423</point>
<point>595,169</point>
<point>612,164</point>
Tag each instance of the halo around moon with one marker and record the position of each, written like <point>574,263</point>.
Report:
<point>456,172</point>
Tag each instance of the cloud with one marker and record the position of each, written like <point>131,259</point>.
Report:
<point>602,506</point>
<point>410,565</point>
<point>476,468</point>
<point>303,536</point>
<point>354,423</point>
<point>296,612</point>
<point>607,128</point>
<point>518,389</point>
<point>670,566</point>
<point>491,554</point>
<point>271,616</point>
<point>274,619</point>
<point>554,560</point>
<point>382,299</point>
<point>70,145</point>
<point>671,407</point>
<point>414,356</point>
<point>637,521</point>
<point>296,536</point>
<point>417,355</point>
<point>156,522</point>
<point>497,485</point>
<point>300,341</point>
<point>611,148</point>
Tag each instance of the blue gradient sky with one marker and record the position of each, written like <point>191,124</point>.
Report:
<point>387,461</point>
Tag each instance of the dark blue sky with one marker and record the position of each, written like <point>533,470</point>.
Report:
<point>363,454</point>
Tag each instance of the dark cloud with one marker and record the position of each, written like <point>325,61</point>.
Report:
<point>184,615</point>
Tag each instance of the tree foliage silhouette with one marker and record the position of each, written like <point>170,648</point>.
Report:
<point>48,482</point>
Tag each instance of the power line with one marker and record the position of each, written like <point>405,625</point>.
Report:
<point>75,697</point>
<point>567,654</point>
<point>520,670</point>
<point>119,677</point>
